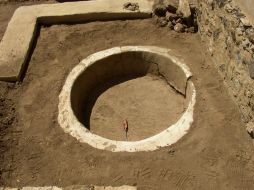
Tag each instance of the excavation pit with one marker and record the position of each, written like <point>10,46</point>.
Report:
<point>147,86</point>
<point>146,101</point>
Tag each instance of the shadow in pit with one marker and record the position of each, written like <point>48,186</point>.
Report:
<point>100,89</point>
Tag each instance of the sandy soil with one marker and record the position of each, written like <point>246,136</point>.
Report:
<point>216,154</point>
<point>148,103</point>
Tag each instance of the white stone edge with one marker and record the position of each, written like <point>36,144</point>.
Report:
<point>13,60</point>
<point>169,136</point>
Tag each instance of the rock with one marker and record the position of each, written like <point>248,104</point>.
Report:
<point>191,29</point>
<point>246,43</point>
<point>229,8</point>
<point>131,6</point>
<point>179,20</point>
<point>209,2</point>
<point>239,39</point>
<point>251,37</point>
<point>179,14</point>
<point>162,22</point>
<point>170,25</point>
<point>159,10</point>
<point>195,22</point>
<point>171,6</point>
<point>250,128</point>
<point>171,16</point>
<point>184,8</point>
<point>239,32</point>
<point>251,49</point>
<point>171,151</point>
<point>245,22</point>
<point>251,69</point>
<point>246,57</point>
<point>248,31</point>
<point>179,27</point>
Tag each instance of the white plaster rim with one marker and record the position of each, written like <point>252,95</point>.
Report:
<point>70,124</point>
<point>18,39</point>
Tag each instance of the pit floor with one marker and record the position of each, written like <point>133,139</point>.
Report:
<point>216,154</point>
<point>148,104</point>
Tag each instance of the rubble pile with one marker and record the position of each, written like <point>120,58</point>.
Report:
<point>178,17</point>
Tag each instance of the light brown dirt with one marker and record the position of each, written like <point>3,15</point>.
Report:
<point>148,103</point>
<point>216,154</point>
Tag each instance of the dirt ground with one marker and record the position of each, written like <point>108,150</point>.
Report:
<point>148,104</point>
<point>34,151</point>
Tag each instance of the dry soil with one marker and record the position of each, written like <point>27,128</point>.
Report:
<point>148,104</point>
<point>34,151</point>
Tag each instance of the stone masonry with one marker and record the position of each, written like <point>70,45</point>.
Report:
<point>229,37</point>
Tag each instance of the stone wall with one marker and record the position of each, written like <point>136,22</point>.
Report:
<point>229,37</point>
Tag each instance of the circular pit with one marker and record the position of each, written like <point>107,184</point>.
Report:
<point>144,86</point>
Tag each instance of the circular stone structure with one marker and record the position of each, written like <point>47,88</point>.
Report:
<point>124,61</point>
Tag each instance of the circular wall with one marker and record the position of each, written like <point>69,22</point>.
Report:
<point>130,61</point>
